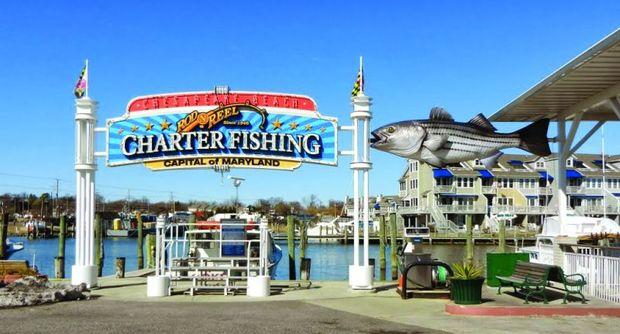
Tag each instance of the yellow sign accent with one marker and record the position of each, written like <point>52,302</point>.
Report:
<point>237,162</point>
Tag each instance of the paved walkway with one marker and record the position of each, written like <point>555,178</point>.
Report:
<point>327,307</point>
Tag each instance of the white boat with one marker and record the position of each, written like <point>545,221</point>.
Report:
<point>13,247</point>
<point>573,227</point>
<point>210,244</point>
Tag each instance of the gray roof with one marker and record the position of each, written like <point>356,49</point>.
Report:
<point>584,83</point>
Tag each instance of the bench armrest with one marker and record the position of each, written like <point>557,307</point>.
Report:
<point>582,278</point>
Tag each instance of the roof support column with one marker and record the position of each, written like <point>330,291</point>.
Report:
<point>561,169</point>
<point>615,105</point>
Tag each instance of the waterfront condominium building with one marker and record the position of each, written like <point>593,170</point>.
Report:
<point>519,185</point>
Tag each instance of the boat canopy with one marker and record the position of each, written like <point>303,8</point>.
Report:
<point>576,226</point>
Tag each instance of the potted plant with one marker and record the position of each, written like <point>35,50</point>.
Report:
<point>466,283</point>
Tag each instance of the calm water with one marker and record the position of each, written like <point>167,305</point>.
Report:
<point>330,261</point>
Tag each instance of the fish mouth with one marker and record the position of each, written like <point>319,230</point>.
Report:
<point>377,139</point>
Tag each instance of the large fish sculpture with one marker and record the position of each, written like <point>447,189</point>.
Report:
<point>440,140</point>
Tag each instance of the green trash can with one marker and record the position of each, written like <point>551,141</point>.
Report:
<point>502,264</point>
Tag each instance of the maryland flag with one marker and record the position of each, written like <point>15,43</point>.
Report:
<point>359,83</point>
<point>82,83</point>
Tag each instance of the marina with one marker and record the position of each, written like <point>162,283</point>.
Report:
<point>246,189</point>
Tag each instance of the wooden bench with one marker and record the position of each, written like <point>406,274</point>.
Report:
<point>532,278</point>
<point>571,284</point>
<point>10,267</point>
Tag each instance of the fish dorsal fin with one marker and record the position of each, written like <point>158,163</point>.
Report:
<point>482,122</point>
<point>440,114</point>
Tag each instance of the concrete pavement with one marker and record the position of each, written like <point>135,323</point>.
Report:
<point>327,307</point>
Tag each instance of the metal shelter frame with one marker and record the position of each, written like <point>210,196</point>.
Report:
<point>587,88</point>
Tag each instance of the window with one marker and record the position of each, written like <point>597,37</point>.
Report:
<point>574,182</point>
<point>444,181</point>
<point>413,184</point>
<point>413,166</point>
<point>403,186</point>
<point>406,203</point>
<point>532,201</point>
<point>414,201</point>
<point>478,163</point>
<point>506,201</point>
<point>540,164</point>
<point>465,182</point>
<point>469,201</point>
<point>505,183</point>
<point>569,162</point>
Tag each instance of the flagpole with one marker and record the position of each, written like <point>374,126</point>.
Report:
<point>362,74</point>
<point>86,89</point>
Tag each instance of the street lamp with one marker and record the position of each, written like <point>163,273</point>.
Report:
<point>236,182</point>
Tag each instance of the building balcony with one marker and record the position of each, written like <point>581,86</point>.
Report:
<point>548,191</point>
<point>455,208</point>
<point>445,189</point>
<point>597,210</point>
<point>523,210</point>
<point>489,189</point>
<point>403,210</point>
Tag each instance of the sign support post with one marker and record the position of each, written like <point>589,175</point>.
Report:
<point>84,270</point>
<point>360,276</point>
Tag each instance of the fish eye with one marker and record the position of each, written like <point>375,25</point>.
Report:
<point>391,129</point>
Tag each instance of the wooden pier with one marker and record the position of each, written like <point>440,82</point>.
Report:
<point>434,239</point>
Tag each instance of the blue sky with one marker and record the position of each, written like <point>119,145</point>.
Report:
<point>468,58</point>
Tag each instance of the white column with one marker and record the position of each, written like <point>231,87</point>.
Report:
<point>159,284</point>
<point>366,159</point>
<point>561,169</point>
<point>84,270</point>
<point>356,195</point>
<point>360,276</point>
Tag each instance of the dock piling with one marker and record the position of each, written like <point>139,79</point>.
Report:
<point>502,237</point>
<point>4,225</point>
<point>59,261</point>
<point>304,270</point>
<point>59,267</point>
<point>99,252</point>
<point>140,241</point>
<point>290,238</point>
<point>393,258</point>
<point>469,240</point>
<point>382,248</point>
<point>150,250</point>
<point>120,267</point>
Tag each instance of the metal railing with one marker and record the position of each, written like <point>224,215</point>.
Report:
<point>419,232</point>
<point>173,242</point>
<point>445,189</point>
<point>489,189</point>
<point>602,274</point>
<point>459,208</point>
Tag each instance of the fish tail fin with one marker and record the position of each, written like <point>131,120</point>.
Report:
<point>534,138</point>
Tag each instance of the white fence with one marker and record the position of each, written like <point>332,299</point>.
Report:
<point>601,272</point>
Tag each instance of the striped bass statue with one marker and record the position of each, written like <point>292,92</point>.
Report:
<point>440,140</point>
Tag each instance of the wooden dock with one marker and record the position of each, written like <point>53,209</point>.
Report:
<point>434,239</point>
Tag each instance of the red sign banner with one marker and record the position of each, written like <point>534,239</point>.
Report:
<point>178,100</point>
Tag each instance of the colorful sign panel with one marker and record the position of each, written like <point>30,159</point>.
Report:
<point>238,129</point>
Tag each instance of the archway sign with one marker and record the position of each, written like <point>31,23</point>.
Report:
<point>218,129</point>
